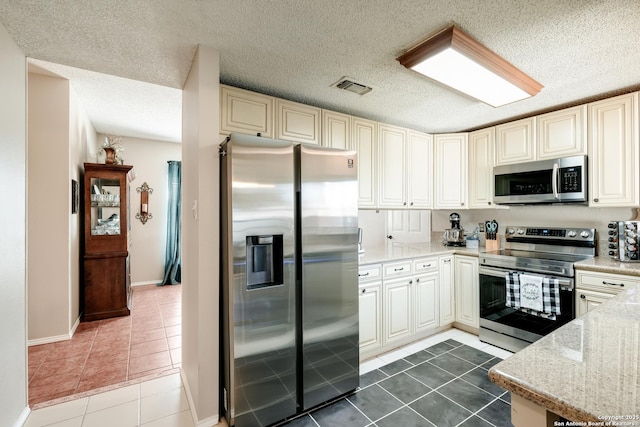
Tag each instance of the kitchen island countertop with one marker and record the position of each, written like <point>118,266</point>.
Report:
<point>586,370</point>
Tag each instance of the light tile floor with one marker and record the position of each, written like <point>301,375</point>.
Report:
<point>162,402</point>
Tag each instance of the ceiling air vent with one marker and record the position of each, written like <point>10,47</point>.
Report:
<point>347,83</point>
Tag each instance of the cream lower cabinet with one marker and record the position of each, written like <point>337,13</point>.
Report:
<point>426,301</point>
<point>397,309</point>
<point>467,291</point>
<point>594,288</point>
<point>370,307</point>
<point>447,301</point>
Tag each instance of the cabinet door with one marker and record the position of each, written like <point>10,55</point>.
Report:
<point>336,130</point>
<point>426,301</point>
<point>245,112</point>
<point>588,300</point>
<point>397,309</point>
<point>297,122</point>
<point>370,310</point>
<point>391,158</point>
<point>613,151</point>
<point>562,133</point>
<point>481,145</point>
<point>450,170</point>
<point>515,142</point>
<point>467,290</point>
<point>364,140</point>
<point>447,307</point>
<point>419,170</point>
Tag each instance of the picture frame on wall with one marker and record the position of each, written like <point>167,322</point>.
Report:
<point>75,196</point>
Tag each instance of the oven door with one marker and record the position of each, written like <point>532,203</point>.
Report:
<point>500,324</point>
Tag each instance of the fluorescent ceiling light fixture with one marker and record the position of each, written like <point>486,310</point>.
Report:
<point>457,60</point>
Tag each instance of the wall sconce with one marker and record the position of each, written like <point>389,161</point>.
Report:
<point>144,215</point>
<point>456,59</point>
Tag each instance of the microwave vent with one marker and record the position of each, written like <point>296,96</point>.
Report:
<point>348,84</point>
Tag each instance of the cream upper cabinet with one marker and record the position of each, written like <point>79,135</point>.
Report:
<point>515,141</point>
<point>297,122</point>
<point>419,170</point>
<point>613,151</point>
<point>562,133</point>
<point>467,290</point>
<point>392,154</point>
<point>364,140</point>
<point>336,130</point>
<point>450,167</point>
<point>246,112</point>
<point>481,159</point>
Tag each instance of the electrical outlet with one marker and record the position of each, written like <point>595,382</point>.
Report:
<point>194,210</point>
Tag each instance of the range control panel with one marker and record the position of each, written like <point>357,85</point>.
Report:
<point>515,233</point>
<point>624,239</point>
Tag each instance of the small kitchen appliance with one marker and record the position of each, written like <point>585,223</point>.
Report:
<point>624,239</point>
<point>454,236</point>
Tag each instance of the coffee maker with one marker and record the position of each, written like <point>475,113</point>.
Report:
<point>454,236</point>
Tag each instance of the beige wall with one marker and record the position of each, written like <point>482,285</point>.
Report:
<point>59,134</point>
<point>13,168</point>
<point>148,241</point>
<point>200,272</point>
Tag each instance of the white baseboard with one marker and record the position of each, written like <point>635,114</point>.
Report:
<point>56,338</point>
<point>211,421</point>
<point>23,417</point>
<point>149,282</point>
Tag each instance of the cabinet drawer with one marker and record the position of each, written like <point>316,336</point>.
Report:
<point>367,273</point>
<point>397,269</point>
<point>604,282</point>
<point>425,265</point>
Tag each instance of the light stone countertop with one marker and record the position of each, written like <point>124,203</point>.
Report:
<point>395,251</point>
<point>588,368</point>
<point>605,264</point>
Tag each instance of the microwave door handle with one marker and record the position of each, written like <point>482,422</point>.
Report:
<point>554,181</point>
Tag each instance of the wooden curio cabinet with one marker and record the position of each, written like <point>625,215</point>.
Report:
<point>106,288</point>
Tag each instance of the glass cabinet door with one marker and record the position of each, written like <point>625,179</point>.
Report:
<point>105,207</point>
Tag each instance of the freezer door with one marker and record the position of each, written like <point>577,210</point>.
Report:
<point>328,206</point>
<point>259,293</point>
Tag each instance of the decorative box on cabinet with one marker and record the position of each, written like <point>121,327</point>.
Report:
<point>106,280</point>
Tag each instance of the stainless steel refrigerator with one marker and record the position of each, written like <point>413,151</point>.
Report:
<point>289,278</point>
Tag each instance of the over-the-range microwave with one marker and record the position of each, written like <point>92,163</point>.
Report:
<point>562,180</point>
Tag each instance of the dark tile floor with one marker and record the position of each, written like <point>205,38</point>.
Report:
<point>444,385</point>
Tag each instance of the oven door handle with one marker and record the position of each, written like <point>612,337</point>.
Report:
<point>565,284</point>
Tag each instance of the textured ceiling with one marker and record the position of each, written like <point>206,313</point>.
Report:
<point>295,49</point>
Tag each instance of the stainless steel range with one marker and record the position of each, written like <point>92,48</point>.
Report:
<point>546,254</point>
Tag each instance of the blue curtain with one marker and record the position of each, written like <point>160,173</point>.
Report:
<point>173,253</point>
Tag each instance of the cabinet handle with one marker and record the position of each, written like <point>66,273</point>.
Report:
<point>404,203</point>
<point>417,280</point>
<point>462,204</point>
<point>398,269</point>
<point>364,290</point>
<point>488,203</point>
<point>411,203</point>
<point>426,265</point>
<point>613,284</point>
<point>582,296</point>
<point>410,281</point>
<point>596,200</point>
<point>363,274</point>
<point>447,260</point>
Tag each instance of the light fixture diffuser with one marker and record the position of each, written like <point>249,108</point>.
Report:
<point>457,60</point>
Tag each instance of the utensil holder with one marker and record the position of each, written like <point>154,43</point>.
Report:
<point>493,245</point>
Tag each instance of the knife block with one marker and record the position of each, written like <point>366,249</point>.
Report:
<point>492,245</point>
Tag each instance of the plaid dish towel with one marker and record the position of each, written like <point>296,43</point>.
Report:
<point>513,290</point>
<point>550,296</point>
